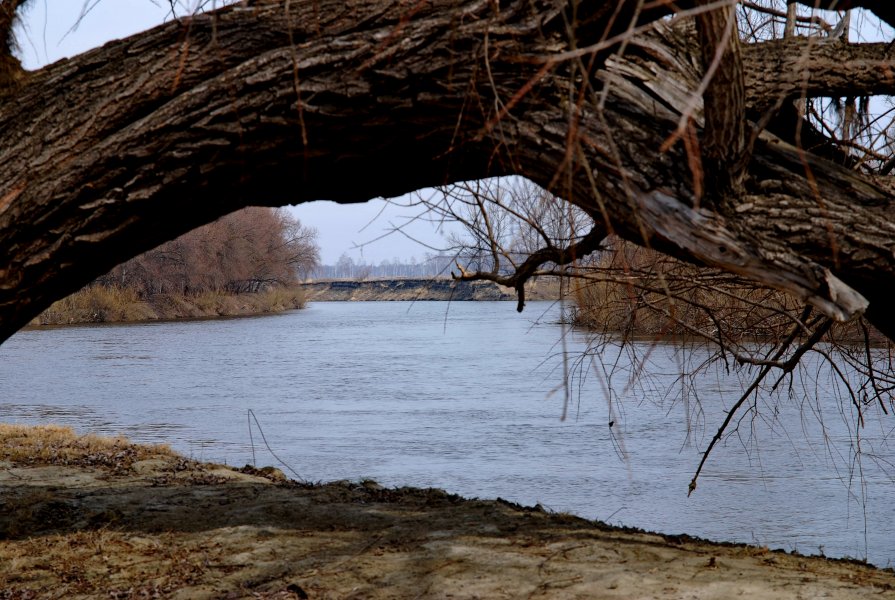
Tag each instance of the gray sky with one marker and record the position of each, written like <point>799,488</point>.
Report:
<point>351,229</point>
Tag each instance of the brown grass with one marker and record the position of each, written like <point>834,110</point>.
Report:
<point>98,304</point>
<point>61,446</point>
<point>634,291</point>
<point>222,304</point>
<point>75,563</point>
<point>112,304</point>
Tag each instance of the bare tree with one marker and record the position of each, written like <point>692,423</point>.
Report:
<point>245,251</point>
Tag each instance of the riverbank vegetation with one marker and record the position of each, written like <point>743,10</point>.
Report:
<point>630,291</point>
<point>248,262</point>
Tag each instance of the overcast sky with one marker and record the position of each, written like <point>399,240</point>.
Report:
<point>351,229</point>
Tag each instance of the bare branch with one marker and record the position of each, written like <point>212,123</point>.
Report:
<point>881,8</point>
<point>560,256</point>
<point>790,17</point>
<point>787,367</point>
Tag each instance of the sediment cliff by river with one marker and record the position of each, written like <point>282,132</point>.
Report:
<point>423,290</point>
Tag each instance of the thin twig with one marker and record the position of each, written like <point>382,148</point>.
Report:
<point>791,363</point>
<point>250,416</point>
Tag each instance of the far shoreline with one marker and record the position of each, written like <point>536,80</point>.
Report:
<point>416,289</point>
<point>99,305</point>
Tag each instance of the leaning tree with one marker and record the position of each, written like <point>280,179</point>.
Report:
<point>653,117</point>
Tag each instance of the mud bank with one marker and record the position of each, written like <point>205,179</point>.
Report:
<point>92,518</point>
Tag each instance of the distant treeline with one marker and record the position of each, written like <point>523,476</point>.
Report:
<point>432,265</point>
<point>244,263</point>
<point>246,251</point>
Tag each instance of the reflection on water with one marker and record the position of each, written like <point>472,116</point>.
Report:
<point>465,397</point>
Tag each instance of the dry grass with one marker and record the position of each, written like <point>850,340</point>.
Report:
<point>61,446</point>
<point>273,300</point>
<point>281,298</point>
<point>98,304</point>
<point>79,563</point>
<point>112,304</point>
<point>633,291</point>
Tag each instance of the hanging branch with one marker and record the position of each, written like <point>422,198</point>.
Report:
<point>787,367</point>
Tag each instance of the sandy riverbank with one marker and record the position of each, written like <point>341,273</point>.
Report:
<point>94,518</point>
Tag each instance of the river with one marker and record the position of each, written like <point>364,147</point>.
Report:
<point>468,396</point>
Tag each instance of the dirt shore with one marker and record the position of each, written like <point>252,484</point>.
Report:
<point>96,518</point>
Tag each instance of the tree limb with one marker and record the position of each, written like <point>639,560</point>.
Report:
<point>882,9</point>
<point>112,152</point>
<point>809,67</point>
<point>529,268</point>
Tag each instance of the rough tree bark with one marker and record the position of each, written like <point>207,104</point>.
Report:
<point>272,102</point>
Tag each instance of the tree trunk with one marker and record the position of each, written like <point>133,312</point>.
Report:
<point>274,102</point>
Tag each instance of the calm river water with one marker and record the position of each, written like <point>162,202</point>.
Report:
<point>469,397</point>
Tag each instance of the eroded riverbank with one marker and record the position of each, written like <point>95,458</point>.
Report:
<point>92,518</point>
<point>411,290</point>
